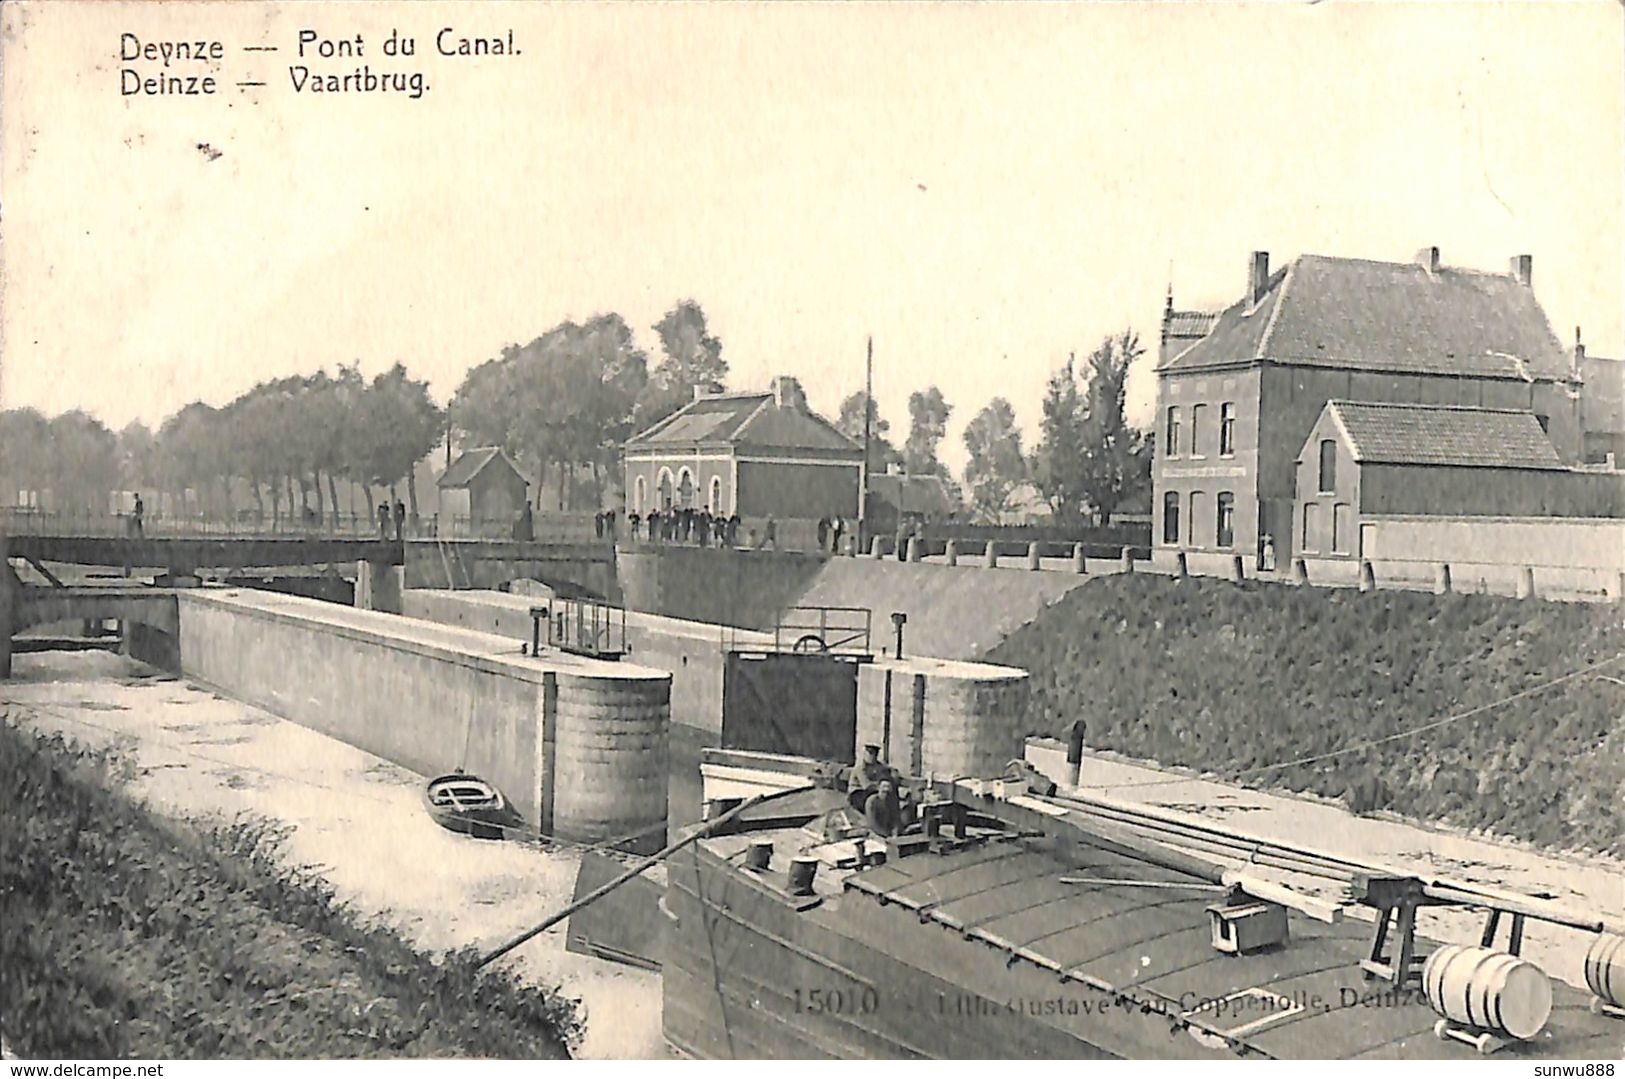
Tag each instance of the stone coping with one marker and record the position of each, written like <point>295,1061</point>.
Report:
<point>730,636</point>
<point>471,648</point>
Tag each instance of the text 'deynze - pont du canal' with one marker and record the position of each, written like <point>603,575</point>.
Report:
<point>313,62</point>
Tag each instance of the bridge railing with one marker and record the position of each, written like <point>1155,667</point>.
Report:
<point>27,522</point>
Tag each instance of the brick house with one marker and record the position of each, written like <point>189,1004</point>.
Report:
<point>755,454</point>
<point>1235,407</point>
<point>1364,463</point>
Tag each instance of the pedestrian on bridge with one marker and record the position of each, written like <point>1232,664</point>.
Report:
<point>400,520</point>
<point>140,511</point>
<point>383,520</point>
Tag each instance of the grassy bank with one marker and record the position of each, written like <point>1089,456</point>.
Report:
<point>1236,679</point>
<point>126,934</point>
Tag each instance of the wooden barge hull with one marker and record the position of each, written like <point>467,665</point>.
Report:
<point>987,954</point>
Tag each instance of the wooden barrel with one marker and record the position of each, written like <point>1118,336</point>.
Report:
<point>1488,990</point>
<point>1605,968</point>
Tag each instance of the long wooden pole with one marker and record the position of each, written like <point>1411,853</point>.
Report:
<point>653,859</point>
<point>863,473</point>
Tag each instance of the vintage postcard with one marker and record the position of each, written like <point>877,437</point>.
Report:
<point>865,531</point>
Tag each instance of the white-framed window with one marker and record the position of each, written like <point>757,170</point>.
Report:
<point>664,490</point>
<point>1198,414</point>
<point>685,489</point>
<point>1328,466</point>
<point>1170,518</point>
<point>1171,436</point>
<point>1224,528</point>
<point>640,495</point>
<point>714,502</point>
<point>1227,429</point>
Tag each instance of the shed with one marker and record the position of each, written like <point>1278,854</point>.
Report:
<point>482,485</point>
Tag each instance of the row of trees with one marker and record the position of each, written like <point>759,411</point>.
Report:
<point>283,448</point>
<point>563,406</point>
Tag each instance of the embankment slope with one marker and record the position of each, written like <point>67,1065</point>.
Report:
<point>1238,680</point>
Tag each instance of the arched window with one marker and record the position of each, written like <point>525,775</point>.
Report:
<point>640,495</point>
<point>714,503</point>
<point>1170,518</point>
<point>1328,466</point>
<point>685,489</point>
<point>1198,511</point>
<point>663,490</point>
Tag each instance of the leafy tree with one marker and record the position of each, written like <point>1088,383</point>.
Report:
<point>562,401</point>
<point>1090,459</point>
<point>398,424</point>
<point>25,458</point>
<point>997,465</point>
<point>1117,459</point>
<point>928,413</point>
<point>882,454</point>
<point>137,448</point>
<point>691,357</point>
<point>1057,465</point>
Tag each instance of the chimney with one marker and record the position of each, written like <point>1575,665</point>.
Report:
<point>787,394</point>
<point>702,390</point>
<point>1428,259</point>
<point>1523,268</point>
<point>1258,277</point>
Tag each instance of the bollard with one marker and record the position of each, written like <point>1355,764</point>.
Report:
<point>1126,558</point>
<point>1526,582</point>
<point>952,553</point>
<point>1368,576</point>
<point>1441,579</point>
<point>1181,568</point>
<point>1238,572</point>
<point>990,558</point>
<point>1079,563</point>
<point>875,550</point>
<point>1300,571</point>
<point>916,550</point>
<point>1033,559</point>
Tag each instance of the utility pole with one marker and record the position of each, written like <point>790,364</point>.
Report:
<point>863,473</point>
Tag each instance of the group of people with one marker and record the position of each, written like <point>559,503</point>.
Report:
<point>875,789</point>
<point>830,531</point>
<point>697,526</point>
<point>384,520</point>
<point>603,524</point>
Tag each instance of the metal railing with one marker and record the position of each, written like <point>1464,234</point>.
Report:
<point>545,528</point>
<point>583,627</point>
<point>28,522</point>
<point>834,630</point>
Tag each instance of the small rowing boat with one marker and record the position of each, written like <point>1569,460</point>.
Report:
<point>468,804</point>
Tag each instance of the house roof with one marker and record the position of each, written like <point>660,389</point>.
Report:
<point>471,463</point>
<point>1383,316</point>
<point>744,421</point>
<point>1380,433</point>
<point>1190,323</point>
<point>915,494</point>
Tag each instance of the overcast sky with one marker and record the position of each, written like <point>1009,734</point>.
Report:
<point>981,188</point>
